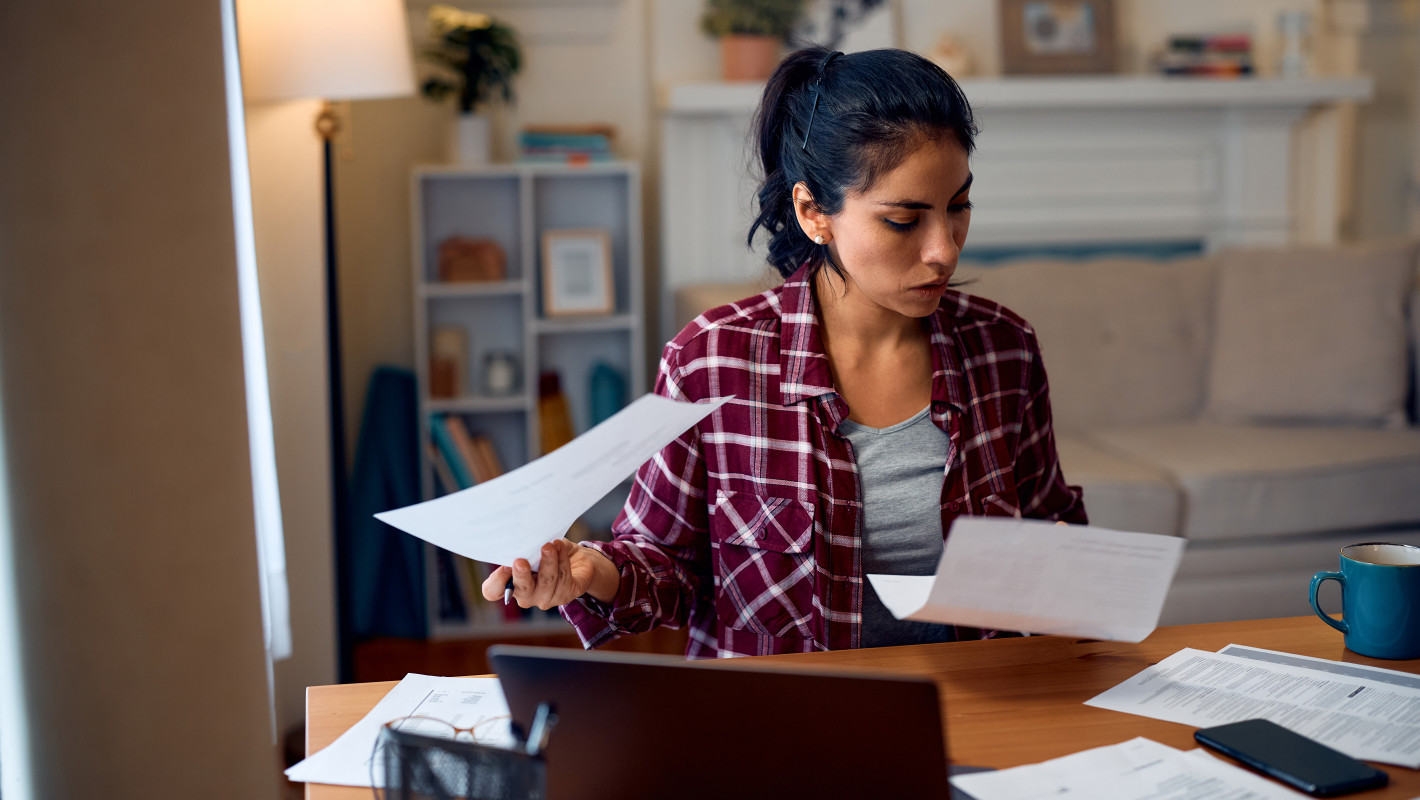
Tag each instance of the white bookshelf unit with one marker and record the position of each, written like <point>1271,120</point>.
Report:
<point>515,205</point>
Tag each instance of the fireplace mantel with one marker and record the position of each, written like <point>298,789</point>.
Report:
<point>1100,159</point>
<point>1033,94</point>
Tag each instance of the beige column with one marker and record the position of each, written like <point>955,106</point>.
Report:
<point>1380,38</point>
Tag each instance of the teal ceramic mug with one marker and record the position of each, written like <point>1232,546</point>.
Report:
<point>1380,599</point>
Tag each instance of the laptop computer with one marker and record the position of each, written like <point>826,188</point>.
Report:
<point>641,726</point>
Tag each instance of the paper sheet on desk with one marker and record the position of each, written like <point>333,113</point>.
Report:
<point>514,515</point>
<point>1139,769</point>
<point>1364,716</point>
<point>462,702</point>
<point>1037,576</point>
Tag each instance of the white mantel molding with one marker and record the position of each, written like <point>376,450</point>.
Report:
<point>1105,91</point>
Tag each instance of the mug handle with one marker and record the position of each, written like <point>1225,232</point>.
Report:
<point>1317,580</point>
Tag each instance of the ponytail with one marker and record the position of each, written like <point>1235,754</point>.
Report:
<point>780,115</point>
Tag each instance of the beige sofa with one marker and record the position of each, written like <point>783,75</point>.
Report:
<point>1259,403</point>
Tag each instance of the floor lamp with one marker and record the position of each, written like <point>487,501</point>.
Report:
<point>335,50</point>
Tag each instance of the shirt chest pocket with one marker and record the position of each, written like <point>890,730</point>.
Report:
<point>997,499</point>
<point>1000,505</point>
<point>764,564</point>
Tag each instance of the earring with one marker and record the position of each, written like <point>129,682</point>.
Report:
<point>818,239</point>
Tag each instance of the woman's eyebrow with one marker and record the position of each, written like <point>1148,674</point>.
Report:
<point>917,205</point>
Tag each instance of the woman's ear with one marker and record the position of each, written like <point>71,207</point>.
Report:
<point>813,222</point>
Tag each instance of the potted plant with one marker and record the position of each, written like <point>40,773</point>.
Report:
<point>478,57</point>
<point>750,34</point>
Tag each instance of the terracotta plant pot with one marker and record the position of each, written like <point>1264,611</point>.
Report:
<point>748,58</point>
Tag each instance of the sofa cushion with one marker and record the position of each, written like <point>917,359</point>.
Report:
<point>1240,481</point>
<point>1120,493</point>
<point>1124,340</point>
<point>1314,334</point>
<point>1259,578</point>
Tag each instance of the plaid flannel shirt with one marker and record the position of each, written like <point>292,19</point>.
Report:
<point>748,526</point>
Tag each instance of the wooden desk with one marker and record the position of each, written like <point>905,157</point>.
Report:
<point>1006,702</point>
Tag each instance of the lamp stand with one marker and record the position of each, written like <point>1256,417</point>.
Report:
<point>327,126</point>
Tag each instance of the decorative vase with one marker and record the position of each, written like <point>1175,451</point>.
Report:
<point>607,392</point>
<point>748,58</point>
<point>471,140</point>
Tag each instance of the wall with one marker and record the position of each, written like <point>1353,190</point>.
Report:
<point>1383,39</point>
<point>124,410</point>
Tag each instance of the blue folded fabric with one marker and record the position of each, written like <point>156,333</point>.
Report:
<point>387,565</point>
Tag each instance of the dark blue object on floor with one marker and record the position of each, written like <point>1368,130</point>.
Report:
<point>386,580</point>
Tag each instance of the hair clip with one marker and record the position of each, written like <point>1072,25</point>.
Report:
<point>813,112</point>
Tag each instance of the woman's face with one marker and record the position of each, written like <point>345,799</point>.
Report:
<point>898,241</point>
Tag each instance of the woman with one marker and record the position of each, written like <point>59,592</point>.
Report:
<point>873,404</point>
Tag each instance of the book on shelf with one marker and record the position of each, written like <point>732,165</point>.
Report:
<point>570,144</point>
<point>480,459</point>
<point>487,456</point>
<point>468,451</point>
<point>1220,55</point>
<point>449,449</point>
<point>444,480</point>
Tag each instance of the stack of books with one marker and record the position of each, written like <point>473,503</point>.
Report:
<point>565,144</point>
<point>1220,55</point>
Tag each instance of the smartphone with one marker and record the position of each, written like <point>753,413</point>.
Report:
<point>1292,758</point>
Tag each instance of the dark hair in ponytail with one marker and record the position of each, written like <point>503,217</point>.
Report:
<point>838,123</point>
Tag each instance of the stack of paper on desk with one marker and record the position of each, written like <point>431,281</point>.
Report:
<point>1365,712</point>
<point>1036,576</point>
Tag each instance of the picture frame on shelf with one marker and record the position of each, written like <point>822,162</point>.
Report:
<point>576,273</point>
<point>1056,37</point>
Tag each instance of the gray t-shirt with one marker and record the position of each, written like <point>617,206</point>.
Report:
<point>901,469</point>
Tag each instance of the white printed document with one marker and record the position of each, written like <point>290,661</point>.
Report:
<point>461,702</point>
<point>1363,716</point>
<point>1037,576</point>
<point>1139,769</point>
<point>1334,668</point>
<point>514,515</point>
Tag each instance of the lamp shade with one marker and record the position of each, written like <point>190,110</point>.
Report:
<point>330,49</point>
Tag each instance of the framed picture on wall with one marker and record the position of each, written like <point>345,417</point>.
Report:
<point>576,273</point>
<point>1052,37</point>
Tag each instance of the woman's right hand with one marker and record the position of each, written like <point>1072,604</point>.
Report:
<point>566,573</point>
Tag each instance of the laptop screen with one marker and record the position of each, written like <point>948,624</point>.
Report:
<point>641,726</point>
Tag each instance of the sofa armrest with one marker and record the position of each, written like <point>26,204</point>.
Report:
<point>695,299</point>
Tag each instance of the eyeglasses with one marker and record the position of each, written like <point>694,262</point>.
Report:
<point>483,731</point>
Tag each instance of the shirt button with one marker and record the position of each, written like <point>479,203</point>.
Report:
<point>954,506</point>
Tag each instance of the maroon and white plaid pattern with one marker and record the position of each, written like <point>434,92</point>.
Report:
<point>748,527</point>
